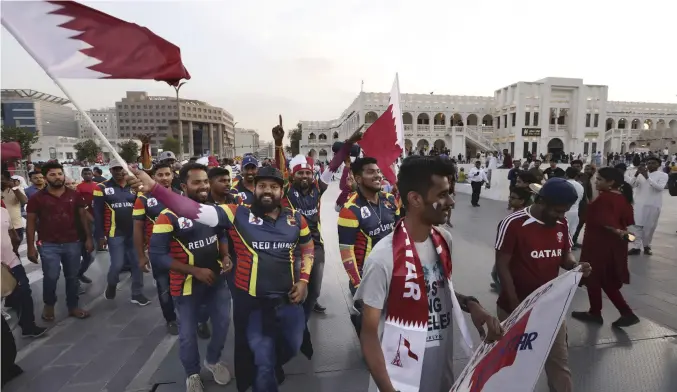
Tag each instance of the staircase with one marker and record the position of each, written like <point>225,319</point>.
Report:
<point>476,137</point>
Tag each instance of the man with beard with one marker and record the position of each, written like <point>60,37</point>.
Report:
<point>531,246</point>
<point>146,211</point>
<point>55,213</point>
<point>220,186</point>
<point>191,252</point>
<point>243,189</point>
<point>267,313</point>
<point>416,247</point>
<point>113,208</point>
<point>303,194</point>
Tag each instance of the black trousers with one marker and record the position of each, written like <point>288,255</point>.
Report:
<point>476,189</point>
<point>21,299</point>
<point>9,369</point>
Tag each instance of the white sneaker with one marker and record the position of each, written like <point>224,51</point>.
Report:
<point>220,372</point>
<point>194,384</point>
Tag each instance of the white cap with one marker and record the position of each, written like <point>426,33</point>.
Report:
<point>115,163</point>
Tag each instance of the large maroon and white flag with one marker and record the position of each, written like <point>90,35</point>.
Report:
<point>384,139</point>
<point>71,40</point>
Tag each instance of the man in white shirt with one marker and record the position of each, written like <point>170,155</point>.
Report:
<point>493,165</point>
<point>477,177</point>
<point>21,299</point>
<point>14,197</point>
<point>649,183</point>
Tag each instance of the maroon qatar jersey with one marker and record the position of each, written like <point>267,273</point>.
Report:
<point>537,251</point>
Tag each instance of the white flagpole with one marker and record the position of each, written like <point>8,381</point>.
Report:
<point>91,123</point>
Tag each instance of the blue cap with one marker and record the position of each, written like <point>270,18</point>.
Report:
<point>249,160</point>
<point>558,191</point>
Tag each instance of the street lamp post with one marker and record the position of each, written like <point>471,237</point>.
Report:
<point>178,118</point>
<point>234,148</point>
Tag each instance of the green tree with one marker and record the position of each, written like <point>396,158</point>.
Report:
<point>129,151</point>
<point>171,144</point>
<point>24,136</point>
<point>295,139</point>
<point>87,150</point>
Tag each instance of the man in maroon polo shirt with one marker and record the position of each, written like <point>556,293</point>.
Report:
<point>54,212</point>
<point>531,246</point>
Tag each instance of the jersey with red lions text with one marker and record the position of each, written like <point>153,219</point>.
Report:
<point>113,206</point>
<point>188,242</point>
<point>308,204</point>
<point>264,248</point>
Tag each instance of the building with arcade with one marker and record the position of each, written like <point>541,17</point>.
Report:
<point>551,115</point>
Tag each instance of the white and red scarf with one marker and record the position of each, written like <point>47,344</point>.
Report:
<point>406,325</point>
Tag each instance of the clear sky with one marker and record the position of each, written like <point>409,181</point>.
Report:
<point>306,59</point>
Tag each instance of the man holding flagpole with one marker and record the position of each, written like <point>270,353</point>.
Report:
<point>408,294</point>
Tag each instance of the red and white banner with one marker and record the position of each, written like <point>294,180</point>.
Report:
<point>514,363</point>
<point>384,139</point>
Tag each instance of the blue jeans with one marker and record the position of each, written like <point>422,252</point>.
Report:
<point>166,302</point>
<point>290,324</point>
<point>217,301</point>
<point>161,276</point>
<point>53,257</point>
<point>121,250</point>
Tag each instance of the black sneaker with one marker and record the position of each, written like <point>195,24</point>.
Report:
<point>647,251</point>
<point>110,292</point>
<point>587,317</point>
<point>84,279</point>
<point>173,328</point>
<point>625,321</point>
<point>203,331</point>
<point>33,332</point>
<point>140,300</point>
<point>319,308</point>
<point>634,252</point>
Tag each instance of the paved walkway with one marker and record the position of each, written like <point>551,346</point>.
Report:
<point>124,348</point>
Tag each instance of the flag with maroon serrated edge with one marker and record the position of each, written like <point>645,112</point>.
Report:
<point>384,139</point>
<point>75,41</point>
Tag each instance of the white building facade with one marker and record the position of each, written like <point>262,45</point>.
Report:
<point>55,147</point>
<point>246,141</point>
<point>551,115</point>
<point>105,119</point>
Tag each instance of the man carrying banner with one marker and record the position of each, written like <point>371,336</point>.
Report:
<point>407,291</point>
<point>531,246</point>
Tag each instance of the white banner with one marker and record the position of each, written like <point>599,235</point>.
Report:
<point>514,363</point>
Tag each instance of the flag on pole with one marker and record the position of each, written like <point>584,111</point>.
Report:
<point>384,139</point>
<point>71,40</point>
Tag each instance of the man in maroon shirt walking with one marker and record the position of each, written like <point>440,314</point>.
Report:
<point>54,213</point>
<point>531,246</point>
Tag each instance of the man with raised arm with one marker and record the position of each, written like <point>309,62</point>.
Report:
<point>267,293</point>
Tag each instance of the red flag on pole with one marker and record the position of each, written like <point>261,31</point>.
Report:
<point>384,139</point>
<point>71,40</point>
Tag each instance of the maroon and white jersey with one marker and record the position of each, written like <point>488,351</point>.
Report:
<point>536,251</point>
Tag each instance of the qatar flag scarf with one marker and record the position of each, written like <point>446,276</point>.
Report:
<point>406,325</point>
